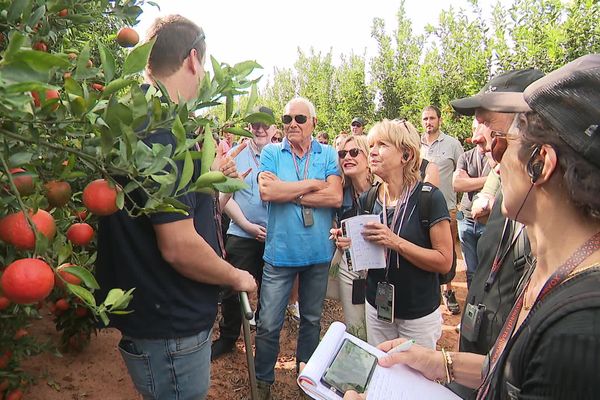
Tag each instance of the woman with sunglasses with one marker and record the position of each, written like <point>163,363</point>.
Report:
<point>357,179</point>
<point>415,253</point>
<point>549,346</point>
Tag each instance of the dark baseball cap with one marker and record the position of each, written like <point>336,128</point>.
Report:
<point>266,110</point>
<point>568,99</point>
<point>499,93</point>
<point>359,120</point>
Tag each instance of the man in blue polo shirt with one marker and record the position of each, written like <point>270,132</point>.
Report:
<point>301,181</point>
<point>247,232</point>
<point>172,260</point>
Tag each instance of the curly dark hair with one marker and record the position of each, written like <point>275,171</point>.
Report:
<point>581,178</point>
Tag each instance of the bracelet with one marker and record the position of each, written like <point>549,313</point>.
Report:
<point>448,366</point>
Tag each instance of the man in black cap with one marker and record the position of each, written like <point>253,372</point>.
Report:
<point>357,126</point>
<point>247,231</point>
<point>503,250</point>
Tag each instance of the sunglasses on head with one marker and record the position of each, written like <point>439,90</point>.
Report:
<point>275,139</point>
<point>198,39</point>
<point>353,153</point>
<point>300,119</point>
<point>257,126</point>
<point>356,124</point>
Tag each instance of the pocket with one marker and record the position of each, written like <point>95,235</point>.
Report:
<point>190,344</point>
<point>138,366</point>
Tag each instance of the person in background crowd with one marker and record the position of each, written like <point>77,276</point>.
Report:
<point>277,137</point>
<point>226,143</point>
<point>356,179</point>
<point>357,126</point>
<point>444,151</point>
<point>301,181</point>
<point>246,235</point>
<point>338,139</point>
<point>550,168</point>
<point>415,254</point>
<point>470,175</point>
<point>323,137</point>
<point>173,260</point>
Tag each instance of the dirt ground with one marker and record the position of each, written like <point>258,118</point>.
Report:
<point>98,373</point>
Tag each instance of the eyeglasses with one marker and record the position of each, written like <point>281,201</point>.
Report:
<point>300,119</point>
<point>257,126</point>
<point>198,39</point>
<point>500,140</point>
<point>353,153</point>
<point>276,139</point>
<point>356,124</point>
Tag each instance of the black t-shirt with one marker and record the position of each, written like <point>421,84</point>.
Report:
<point>417,292</point>
<point>165,303</point>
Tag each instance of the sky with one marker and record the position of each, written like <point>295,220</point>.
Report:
<point>271,31</point>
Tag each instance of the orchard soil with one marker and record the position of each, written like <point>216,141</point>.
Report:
<point>98,373</point>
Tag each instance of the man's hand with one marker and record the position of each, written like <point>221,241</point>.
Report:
<point>244,282</point>
<point>258,232</point>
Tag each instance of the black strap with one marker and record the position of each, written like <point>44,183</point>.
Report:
<point>370,199</point>
<point>423,168</point>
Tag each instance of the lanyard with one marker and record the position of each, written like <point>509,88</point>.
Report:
<point>502,251</point>
<point>253,153</point>
<point>305,164</point>
<point>583,252</point>
<point>407,192</point>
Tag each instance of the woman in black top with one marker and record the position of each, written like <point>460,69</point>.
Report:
<point>549,347</point>
<point>415,254</point>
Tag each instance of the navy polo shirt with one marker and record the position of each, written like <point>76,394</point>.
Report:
<point>165,303</point>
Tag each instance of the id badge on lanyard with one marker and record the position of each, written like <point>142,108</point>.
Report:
<point>307,212</point>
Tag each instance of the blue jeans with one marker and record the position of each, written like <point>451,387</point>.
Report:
<point>469,232</point>
<point>170,369</point>
<point>274,294</point>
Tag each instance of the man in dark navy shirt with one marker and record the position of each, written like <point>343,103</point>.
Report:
<point>173,260</point>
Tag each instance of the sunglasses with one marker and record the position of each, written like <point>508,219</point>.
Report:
<point>276,139</point>
<point>353,153</point>
<point>356,124</point>
<point>257,126</point>
<point>300,119</point>
<point>198,39</point>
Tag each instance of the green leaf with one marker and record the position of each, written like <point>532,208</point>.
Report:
<point>108,63</point>
<point>188,171</point>
<point>164,179</point>
<point>252,99</point>
<point>179,132</point>
<point>230,185</point>
<point>209,147</point>
<point>20,158</point>
<point>83,294</point>
<point>112,296</point>
<point>228,106</point>
<point>136,60</point>
<point>238,131</point>
<point>83,274</point>
<point>36,15</point>
<point>243,69</point>
<point>16,9</point>
<point>64,253</point>
<point>15,42</point>
<point>260,117</point>
<point>81,70</point>
<point>217,70</point>
<point>120,199</point>
<point>41,61</point>
<point>117,85</point>
<point>73,87</point>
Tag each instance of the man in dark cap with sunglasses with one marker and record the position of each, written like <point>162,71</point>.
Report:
<point>357,126</point>
<point>173,260</point>
<point>503,250</point>
<point>300,179</point>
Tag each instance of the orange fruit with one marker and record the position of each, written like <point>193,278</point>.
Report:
<point>15,230</point>
<point>58,193</point>
<point>66,276</point>
<point>80,234</point>
<point>100,197</point>
<point>23,181</point>
<point>127,37</point>
<point>27,281</point>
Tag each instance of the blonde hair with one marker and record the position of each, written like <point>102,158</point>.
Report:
<point>362,145</point>
<point>403,136</point>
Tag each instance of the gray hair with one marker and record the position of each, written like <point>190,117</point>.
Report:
<point>311,107</point>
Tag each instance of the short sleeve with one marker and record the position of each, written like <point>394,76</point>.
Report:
<point>333,167</point>
<point>458,150</point>
<point>566,361</point>
<point>439,209</point>
<point>461,164</point>
<point>267,159</point>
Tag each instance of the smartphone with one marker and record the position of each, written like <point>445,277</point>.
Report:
<point>384,300</point>
<point>351,369</point>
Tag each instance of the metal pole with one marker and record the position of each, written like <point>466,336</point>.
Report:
<point>247,315</point>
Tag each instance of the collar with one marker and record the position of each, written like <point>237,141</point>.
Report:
<point>440,138</point>
<point>315,147</point>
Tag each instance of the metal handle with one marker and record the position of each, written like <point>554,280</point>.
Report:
<point>247,310</point>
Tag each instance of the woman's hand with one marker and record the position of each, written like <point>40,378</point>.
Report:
<point>427,361</point>
<point>258,232</point>
<point>341,242</point>
<point>380,234</point>
<point>352,395</point>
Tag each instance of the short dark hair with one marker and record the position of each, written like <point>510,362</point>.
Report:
<point>580,176</point>
<point>323,135</point>
<point>175,37</point>
<point>433,108</point>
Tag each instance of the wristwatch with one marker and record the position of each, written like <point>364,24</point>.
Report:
<point>299,200</point>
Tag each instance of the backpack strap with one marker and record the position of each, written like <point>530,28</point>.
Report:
<point>423,168</point>
<point>370,198</point>
<point>425,200</point>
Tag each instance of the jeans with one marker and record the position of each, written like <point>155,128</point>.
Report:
<point>469,232</point>
<point>275,290</point>
<point>169,369</point>
<point>246,254</point>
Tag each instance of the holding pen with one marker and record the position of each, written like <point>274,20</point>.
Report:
<point>402,347</point>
